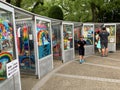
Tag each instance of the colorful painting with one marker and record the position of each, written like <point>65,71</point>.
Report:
<point>6,35</point>
<point>25,37</point>
<point>27,62</point>
<point>88,34</point>
<point>44,45</point>
<point>7,48</point>
<point>7,43</point>
<point>5,57</point>
<point>68,36</point>
<point>111,30</point>
<point>25,46</point>
<point>43,38</point>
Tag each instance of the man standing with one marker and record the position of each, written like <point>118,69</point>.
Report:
<point>104,41</point>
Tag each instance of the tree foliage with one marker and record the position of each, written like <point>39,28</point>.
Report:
<point>18,3</point>
<point>75,10</point>
<point>55,12</point>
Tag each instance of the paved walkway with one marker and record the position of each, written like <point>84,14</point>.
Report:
<point>97,73</point>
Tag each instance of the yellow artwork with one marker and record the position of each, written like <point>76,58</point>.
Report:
<point>111,30</point>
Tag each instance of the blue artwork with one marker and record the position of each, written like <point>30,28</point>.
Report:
<point>44,50</point>
<point>44,45</point>
<point>27,62</point>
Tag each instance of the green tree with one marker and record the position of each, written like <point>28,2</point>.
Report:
<point>36,4</point>
<point>75,10</point>
<point>55,12</point>
<point>110,11</point>
<point>18,3</point>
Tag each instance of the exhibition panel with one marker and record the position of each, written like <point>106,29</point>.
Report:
<point>77,34</point>
<point>9,66</point>
<point>56,40</point>
<point>67,41</point>
<point>43,45</point>
<point>88,33</point>
<point>25,41</point>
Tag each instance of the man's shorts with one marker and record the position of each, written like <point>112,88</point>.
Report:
<point>81,52</point>
<point>104,45</point>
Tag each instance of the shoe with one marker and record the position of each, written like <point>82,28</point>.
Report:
<point>83,60</point>
<point>80,61</point>
<point>102,56</point>
<point>106,55</point>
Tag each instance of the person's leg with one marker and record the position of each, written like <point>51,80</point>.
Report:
<point>81,53</point>
<point>81,59</point>
<point>103,51</point>
<point>80,56</point>
<point>99,50</point>
<point>83,56</point>
<point>106,49</point>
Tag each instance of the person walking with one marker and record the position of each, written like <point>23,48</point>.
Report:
<point>81,44</point>
<point>104,41</point>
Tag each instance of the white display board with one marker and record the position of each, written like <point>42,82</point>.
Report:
<point>12,68</point>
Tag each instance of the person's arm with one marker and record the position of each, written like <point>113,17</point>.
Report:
<point>97,37</point>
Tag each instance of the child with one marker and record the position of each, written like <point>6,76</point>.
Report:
<point>98,42</point>
<point>81,44</point>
